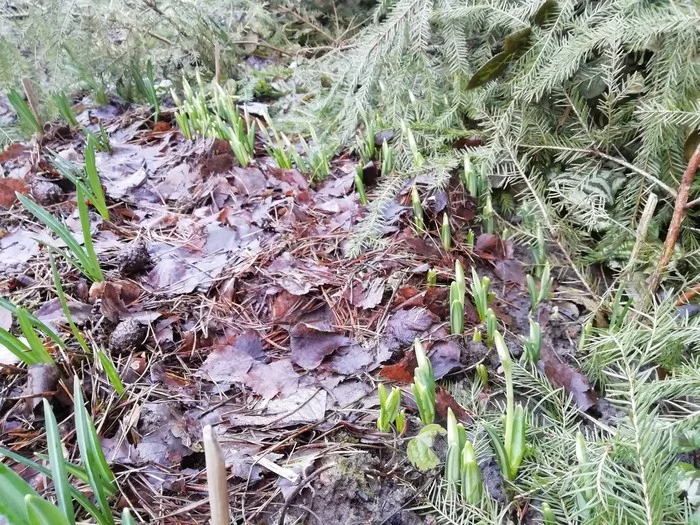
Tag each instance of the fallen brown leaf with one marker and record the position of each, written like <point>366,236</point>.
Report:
<point>573,381</point>
<point>8,187</point>
<point>444,400</point>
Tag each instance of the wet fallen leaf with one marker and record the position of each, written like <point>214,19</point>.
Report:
<point>231,363</point>
<point>51,312</point>
<point>367,294</point>
<point>269,380</point>
<point>401,372</point>
<point>510,270</point>
<point>312,341</point>
<point>8,187</point>
<point>445,357</point>
<point>573,381</point>
<point>306,405</point>
<point>164,434</point>
<point>492,247</point>
<point>402,328</point>
<point>351,359</point>
<point>444,400</point>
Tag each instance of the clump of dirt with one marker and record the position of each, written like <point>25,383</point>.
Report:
<point>128,335</point>
<point>355,492</point>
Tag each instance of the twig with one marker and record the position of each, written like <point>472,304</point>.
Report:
<point>217,62</point>
<point>216,478</point>
<point>674,229</point>
<point>308,22</point>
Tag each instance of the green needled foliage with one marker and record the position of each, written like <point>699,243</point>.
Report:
<point>424,385</point>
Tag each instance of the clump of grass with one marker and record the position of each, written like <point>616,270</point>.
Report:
<point>83,258</point>
<point>94,471</point>
<point>481,294</point>
<point>457,298</point>
<point>33,351</point>
<point>65,109</point>
<point>360,185</point>
<point>27,119</point>
<point>538,295</point>
<point>418,221</point>
<point>145,86</point>
<point>389,405</point>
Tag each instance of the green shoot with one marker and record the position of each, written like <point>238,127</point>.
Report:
<point>456,310</point>
<point>619,310</point>
<point>65,109</point>
<point>470,240</point>
<point>457,299</point>
<point>533,344</point>
<point>431,278</point>
<point>99,473</point>
<point>418,221</point>
<point>537,296</point>
<point>491,327</point>
<point>483,374</point>
<point>456,438</point>
<point>418,159</point>
<point>511,450</point>
<point>366,147</point>
<point>487,215</point>
<point>360,185</point>
<point>586,330</point>
<point>72,469</point>
<point>584,496</point>
<point>401,422</point>
<point>445,233</point>
<point>387,159</point>
<point>424,385</point>
<point>470,178</point>
<point>146,87</point>
<point>111,372</point>
<point>539,251</point>
<point>64,305</point>
<point>127,519</point>
<point>88,77</point>
<point>84,259</point>
<point>40,511</point>
<point>480,293</point>
<point>548,517</point>
<point>389,405</point>
<point>471,476</point>
<point>27,119</point>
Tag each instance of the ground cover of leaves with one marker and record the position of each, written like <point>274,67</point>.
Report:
<point>230,300</point>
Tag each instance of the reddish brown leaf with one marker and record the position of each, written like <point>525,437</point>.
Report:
<point>510,270</point>
<point>573,381</point>
<point>13,151</point>
<point>444,400</point>
<point>492,247</point>
<point>112,306</point>
<point>401,372</point>
<point>8,187</point>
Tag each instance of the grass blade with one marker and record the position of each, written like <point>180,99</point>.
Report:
<point>77,495</point>
<point>41,512</point>
<point>17,347</point>
<point>36,323</point>
<point>97,196</point>
<point>26,116</point>
<point>127,519</point>
<point>64,305</point>
<point>61,231</point>
<point>37,347</point>
<point>13,489</point>
<point>111,372</point>
<point>59,473</point>
<point>87,238</point>
<point>91,452</point>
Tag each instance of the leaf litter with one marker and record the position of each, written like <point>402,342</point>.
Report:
<point>243,310</point>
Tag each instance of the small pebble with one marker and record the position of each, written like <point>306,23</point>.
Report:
<point>128,335</point>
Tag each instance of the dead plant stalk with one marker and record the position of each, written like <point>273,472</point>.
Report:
<point>678,216</point>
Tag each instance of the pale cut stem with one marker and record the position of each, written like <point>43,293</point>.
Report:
<point>216,478</point>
